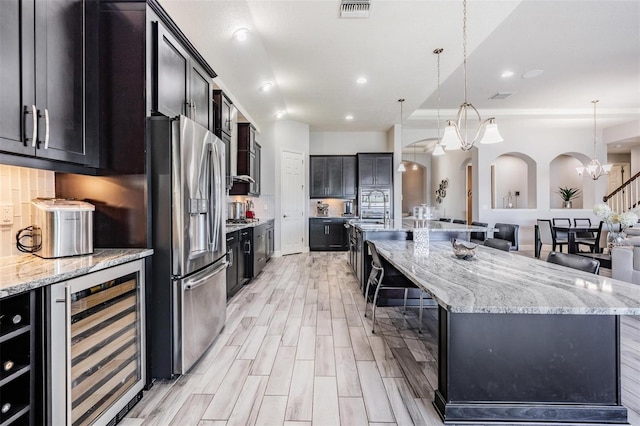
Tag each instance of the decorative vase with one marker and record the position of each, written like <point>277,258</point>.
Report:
<point>615,239</point>
<point>567,204</point>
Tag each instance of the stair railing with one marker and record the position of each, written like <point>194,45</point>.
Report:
<point>626,196</point>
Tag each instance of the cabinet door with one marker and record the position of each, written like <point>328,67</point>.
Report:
<point>227,152</point>
<point>384,170</point>
<point>200,96</point>
<point>60,79</point>
<point>334,177</point>
<point>366,170</point>
<point>317,234</point>
<point>171,71</point>
<point>16,76</point>
<point>335,238</point>
<point>318,165</point>
<point>349,177</point>
<point>257,169</point>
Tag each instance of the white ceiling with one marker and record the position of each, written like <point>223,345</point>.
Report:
<point>588,50</point>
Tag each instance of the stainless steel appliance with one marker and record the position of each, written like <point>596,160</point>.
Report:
<point>374,203</point>
<point>347,209</point>
<point>322,209</point>
<point>236,210</point>
<point>188,288</point>
<point>61,227</point>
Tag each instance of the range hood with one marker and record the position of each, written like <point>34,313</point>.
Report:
<point>233,169</point>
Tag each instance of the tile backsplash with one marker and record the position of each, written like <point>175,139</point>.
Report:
<point>18,186</point>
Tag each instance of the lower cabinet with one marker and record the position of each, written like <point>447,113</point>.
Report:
<point>245,259</point>
<point>234,255</point>
<point>328,234</point>
<point>270,240</point>
<point>18,360</point>
<point>96,356</point>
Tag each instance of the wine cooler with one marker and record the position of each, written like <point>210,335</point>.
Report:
<point>96,365</point>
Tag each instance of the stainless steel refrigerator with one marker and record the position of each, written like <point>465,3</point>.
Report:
<point>187,293</point>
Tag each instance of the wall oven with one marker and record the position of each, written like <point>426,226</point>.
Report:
<point>96,359</point>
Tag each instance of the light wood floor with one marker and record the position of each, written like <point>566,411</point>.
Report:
<point>297,350</point>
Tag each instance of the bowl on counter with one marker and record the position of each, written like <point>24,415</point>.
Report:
<point>463,249</point>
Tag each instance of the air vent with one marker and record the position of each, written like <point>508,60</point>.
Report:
<point>502,95</point>
<point>355,8</point>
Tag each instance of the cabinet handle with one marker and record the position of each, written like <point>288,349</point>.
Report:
<point>34,136</point>
<point>230,263</point>
<point>187,108</point>
<point>46,128</point>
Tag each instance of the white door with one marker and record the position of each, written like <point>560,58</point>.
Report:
<point>292,179</point>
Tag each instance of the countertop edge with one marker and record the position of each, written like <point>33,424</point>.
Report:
<point>42,276</point>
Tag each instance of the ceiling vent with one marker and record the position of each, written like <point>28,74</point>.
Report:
<point>355,8</point>
<point>502,95</point>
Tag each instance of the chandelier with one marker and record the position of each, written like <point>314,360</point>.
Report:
<point>594,168</point>
<point>456,133</point>
<point>439,149</point>
<point>401,167</point>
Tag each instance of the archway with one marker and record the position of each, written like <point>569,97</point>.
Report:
<point>513,182</point>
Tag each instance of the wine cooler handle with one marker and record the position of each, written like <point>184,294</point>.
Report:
<point>67,352</point>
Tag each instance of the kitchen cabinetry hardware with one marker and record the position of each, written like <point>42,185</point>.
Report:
<point>46,127</point>
<point>205,280</point>
<point>34,116</point>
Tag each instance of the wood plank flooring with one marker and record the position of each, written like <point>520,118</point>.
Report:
<point>297,350</point>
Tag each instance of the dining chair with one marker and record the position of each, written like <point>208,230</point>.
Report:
<point>590,239</point>
<point>383,277</point>
<point>507,231</point>
<point>548,236</point>
<point>497,243</point>
<point>460,221</point>
<point>562,221</point>
<point>575,261</point>
<point>478,236</point>
<point>583,222</point>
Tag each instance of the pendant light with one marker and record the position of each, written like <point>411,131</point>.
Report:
<point>456,134</point>
<point>401,167</point>
<point>415,165</point>
<point>595,169</point>
<point>439,149</point>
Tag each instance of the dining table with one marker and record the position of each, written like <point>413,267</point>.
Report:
<point>571,231</point>
<point>520,339</point>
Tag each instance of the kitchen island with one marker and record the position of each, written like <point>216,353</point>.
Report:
<point>521,339</point>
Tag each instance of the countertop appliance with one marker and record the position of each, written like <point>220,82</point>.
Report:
<point>347,209</point>
<point>236,210</point>
<point>322,209</point>
<point>187,291</point>
<point>61,227</point>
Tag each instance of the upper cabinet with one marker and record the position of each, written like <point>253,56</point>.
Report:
<point>47,92</point>
<point>332,176</point>
<point>223,114</point>
<point>375,169</point>
<point>181,85</point>
<point>249,155</point>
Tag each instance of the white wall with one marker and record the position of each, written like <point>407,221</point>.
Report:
<point>542,142</point>
<point>290,136</point>
<point>451,166</point>
<point>346,143</point>
<point>562,173</point>
<point>511,175</point>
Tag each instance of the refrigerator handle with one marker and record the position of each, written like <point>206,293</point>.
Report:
<point>216,201</point>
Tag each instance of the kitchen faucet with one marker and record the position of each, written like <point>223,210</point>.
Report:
<point>387,219</point>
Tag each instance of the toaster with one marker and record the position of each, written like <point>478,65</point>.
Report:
<point>61,227</point>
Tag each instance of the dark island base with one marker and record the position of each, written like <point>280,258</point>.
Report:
<point>529,368</point>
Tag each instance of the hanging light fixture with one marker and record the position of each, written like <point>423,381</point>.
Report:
<point>456,134</point>
<point>415,165</point>
<point>401,167</point>
<point>594,168</point>
<point>439,149</point>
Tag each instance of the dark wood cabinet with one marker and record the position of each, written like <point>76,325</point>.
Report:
<point>181,85</point>
<point>375,169</point>
<point>249,153</point>
<point>223,121</point>
<point>270,240</point>
<point>328,234</point>
<point>332,176</point>
<point>245,260</point>
<point>47,93</point>
<point>234,254</point>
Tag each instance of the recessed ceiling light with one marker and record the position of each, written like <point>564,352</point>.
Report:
<point>618,145</point>
<point>361,80</point>
<point>532,74</point>
<point>507,74</point>
<point>241,34</point>
<point>266,87</point>
<point>349,117</point>
<point>280,114</point>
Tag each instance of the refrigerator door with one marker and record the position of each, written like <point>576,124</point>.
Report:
<point>198,170</point>
<point>201,312</point>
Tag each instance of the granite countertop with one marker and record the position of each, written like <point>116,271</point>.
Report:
<point>496,281</point>
<point>231,227</point>
<point>26,272</point>
<point>430,225</point>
